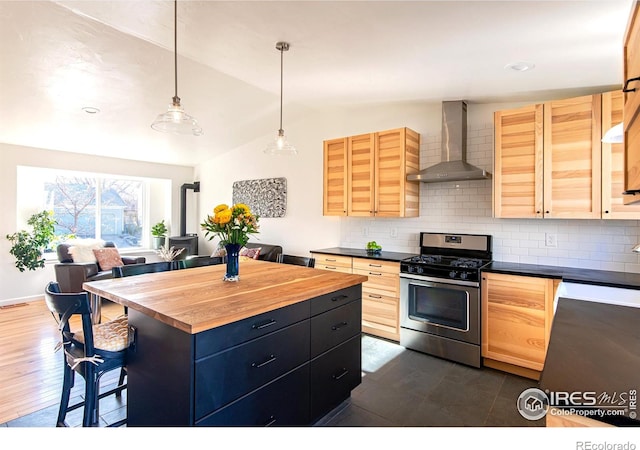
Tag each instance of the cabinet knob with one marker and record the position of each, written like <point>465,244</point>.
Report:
<point>606,212</point>
<point>546,212</point>
<point>537,212</point>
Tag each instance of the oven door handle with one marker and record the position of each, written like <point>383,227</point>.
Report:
<point>435,282</point>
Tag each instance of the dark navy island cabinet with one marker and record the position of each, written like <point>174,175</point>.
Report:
<point>286,367</point>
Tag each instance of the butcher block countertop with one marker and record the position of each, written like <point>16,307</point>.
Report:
<point>196,299</point>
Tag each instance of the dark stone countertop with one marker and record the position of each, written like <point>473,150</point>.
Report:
<point>362,253</point>
<point>569,274</point>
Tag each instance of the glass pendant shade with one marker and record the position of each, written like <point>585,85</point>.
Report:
<point>176,121</point>
<point>280,146</point>
<point>614,135</point>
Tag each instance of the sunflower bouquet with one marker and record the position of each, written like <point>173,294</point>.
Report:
<point>232,225</point>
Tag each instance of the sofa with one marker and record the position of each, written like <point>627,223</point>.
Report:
<point>71,275</point>
<point>268,252</point>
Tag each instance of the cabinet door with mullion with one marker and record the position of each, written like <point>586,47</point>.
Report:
<point>572,158</point>
<point>518,173</point>
<point>361,173</point>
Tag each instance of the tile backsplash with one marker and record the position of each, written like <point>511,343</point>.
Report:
<point>466,207</point>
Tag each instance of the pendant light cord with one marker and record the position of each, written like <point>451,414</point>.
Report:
<point>176,99</point>
<point>281,84</point>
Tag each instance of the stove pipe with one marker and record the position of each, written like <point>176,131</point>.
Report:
<point>183,204</point>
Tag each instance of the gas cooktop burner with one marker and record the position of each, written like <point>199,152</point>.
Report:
<point>440,260</point>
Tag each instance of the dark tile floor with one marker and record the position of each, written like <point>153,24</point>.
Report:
<point>400,388</point>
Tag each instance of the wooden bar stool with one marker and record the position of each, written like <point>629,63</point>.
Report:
<point>91,352</point>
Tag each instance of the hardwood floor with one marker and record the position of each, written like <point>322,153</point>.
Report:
<point>30,370</point>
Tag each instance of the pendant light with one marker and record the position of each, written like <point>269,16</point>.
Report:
<point>280,146</point>
<point>175,120</point>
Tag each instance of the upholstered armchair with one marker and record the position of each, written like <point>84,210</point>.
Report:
<point>70,275</point>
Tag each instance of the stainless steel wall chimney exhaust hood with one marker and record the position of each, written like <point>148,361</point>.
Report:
<point>454,166</point>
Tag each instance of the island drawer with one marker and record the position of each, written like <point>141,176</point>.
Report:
<point>218,339</point>
<point>334,375</point>
<point>265,406</point>
<point>228,375</point>
<point>335,326</point>
<point>335,299</point>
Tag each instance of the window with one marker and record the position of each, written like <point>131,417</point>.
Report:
<point>111,208</point>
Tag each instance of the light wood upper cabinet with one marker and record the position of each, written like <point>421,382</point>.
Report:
<point>613,202</point>
<point>335,178</point>
<point>397,155</point>
<point>517,313</point>
<point>361,173</point>
<point>572,170</point>
<point>550,161</point>
<point>518,175</point>
<point>632,101</point>
<point>377,165</point>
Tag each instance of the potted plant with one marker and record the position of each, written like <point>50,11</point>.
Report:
<point>159,232</point>
<point>28,247</point>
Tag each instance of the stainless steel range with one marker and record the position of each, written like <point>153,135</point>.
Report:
<point>440,296</point>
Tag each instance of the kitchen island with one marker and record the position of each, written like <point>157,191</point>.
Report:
<point>279,347</point>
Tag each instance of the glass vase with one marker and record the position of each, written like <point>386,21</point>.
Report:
<point>233,262</point>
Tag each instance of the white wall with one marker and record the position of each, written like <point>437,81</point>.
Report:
<point>460,207</point>
<point>22,286</point>
<point>445,207</point>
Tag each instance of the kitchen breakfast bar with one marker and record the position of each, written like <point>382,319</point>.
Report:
<point>282,346</point>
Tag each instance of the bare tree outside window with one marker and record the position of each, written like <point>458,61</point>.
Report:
<point>92,207</point>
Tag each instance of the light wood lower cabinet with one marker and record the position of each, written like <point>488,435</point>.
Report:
<point>334,263</point>
<point>517,312</point>
<point>380,297</point>
<point>380,294</point>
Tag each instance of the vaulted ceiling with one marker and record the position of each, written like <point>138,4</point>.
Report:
<point>60,56</point>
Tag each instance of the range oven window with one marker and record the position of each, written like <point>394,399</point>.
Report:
<point>439,306</point>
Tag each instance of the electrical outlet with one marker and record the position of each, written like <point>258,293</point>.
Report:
<point>550,240</point>
<point>394,233</point>
<point>365,231</point>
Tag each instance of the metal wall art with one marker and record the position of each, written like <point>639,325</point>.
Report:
<point>266,197</point>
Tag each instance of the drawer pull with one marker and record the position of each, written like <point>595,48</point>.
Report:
<point>331,260</point>
<point>626,83</point>
<point>330,267</point>
<point>270,422</point>
<point>342,374</point>
<point>339,297</point>
<point>375,265</point>
<point>375,296</point>
<point>378,274</point>
<point>338,326</point>
<point>265,324</point>
<point>271,359</point>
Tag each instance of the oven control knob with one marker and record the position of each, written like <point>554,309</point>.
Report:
<point>419,269</point>
<point>453,274</point>
<point>464,275</point>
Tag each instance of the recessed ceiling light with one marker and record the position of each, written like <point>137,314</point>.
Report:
<point>90,110</point>
<point>520,66</point>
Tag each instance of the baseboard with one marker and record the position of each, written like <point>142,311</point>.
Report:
<point>511,368</point>
<point>16,301</point>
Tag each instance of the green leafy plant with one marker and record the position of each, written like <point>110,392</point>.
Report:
<point>28,247</point>
<point>159,229</point>
<point>372,245</point>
